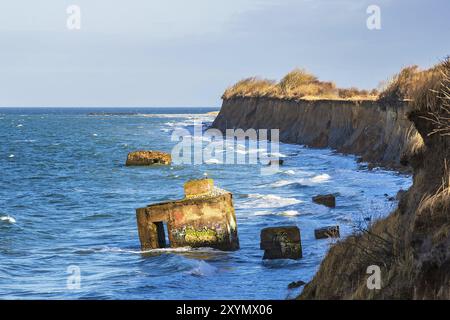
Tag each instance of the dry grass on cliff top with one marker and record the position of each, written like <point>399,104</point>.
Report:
<point>432,98</point>
<point>297,84</point>
<point>411,83</point>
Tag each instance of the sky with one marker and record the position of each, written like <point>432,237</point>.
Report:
<point>173,53</point>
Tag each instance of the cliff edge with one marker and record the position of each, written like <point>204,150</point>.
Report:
<point>412,245</point>
<point>378,133</point>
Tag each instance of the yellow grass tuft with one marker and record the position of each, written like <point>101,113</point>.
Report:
<point>297,84</point>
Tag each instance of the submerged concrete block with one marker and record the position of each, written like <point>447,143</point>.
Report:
<point>328,200</point>
<point>281,243</point>
<point>147,158</point>
<point>198,220</point>
<point>327,232</point>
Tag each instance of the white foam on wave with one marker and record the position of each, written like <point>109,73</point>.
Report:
<point>159,250</point>
<point>11,156</point>
<point>289,172</point>
<point>268,201</point>
<point>213,161</point>
<point>286,213</point>
<point>202,269</point>
<point>8,219</point>
<point>289,213</point>
<point>317,179</point>
<point>322,178</point>
<point>276,155</point>
<point>19,125</point>
<point>281,183</point>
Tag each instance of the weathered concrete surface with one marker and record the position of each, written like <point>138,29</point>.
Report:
<point>147,158</point>
<point>327,232</point>
<point>379,134</point>
<point>198,188</point>
<point>328,200</point>
<point>202,220</point>
<point>281,243</point>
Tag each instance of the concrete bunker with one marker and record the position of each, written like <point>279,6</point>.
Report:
<point>204,218</point>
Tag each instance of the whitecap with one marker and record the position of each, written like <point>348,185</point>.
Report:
<point>286,213</point>
<point>203,269</point>
<point>11,156</point>
<point>95,135</point>
<point>289,172</point>
<point>281,183</point>
<point>8,219</point>
<point>322,178</point>
<point>289,213</point>
<point>122,250</point>
<point>213,161</point>
<point>263,213</point>
<point>268,201</point>
<point>19,125</point>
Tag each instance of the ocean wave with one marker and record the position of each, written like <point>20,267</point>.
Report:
<point>178,115</point>
<point>282,183</point>
<point>213,161</point>
<point>322,178</point>
<point>7,219</point>
<point>203,269</point>
<point>289,213</point>
<point>137,251</point>
<point>286,213</point>
<point>268,201</point>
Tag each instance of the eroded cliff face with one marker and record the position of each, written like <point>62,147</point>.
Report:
<point>411,246</point>
<point>379,134</point>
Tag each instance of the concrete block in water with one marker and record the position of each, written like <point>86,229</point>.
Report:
<point>198,188</point>
<point>327,232</point>
<point>328,200</point>
<point>281,243</point>
<point>206,219</point>
<point>147,158</point>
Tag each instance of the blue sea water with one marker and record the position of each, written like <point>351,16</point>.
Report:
<point>67,200</point>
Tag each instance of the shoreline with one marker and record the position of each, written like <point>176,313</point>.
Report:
<point>376,133</point>
<point>411,246</point>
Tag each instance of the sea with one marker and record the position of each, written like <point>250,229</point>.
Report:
<point>67,208</point>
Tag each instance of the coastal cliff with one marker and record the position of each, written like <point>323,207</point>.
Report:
<point>378,133</point>
<point>411,247</point>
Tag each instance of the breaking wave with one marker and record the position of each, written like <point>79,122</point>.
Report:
<point>268,201</point>
<point>322,178</point>
<point>202,269</point>
<point>8,219</point>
